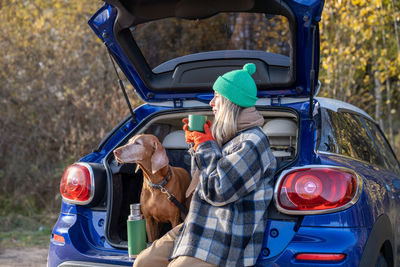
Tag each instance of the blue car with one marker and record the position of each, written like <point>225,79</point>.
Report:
<point>337,184</point>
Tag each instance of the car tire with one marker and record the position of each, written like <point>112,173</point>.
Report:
<point>381,261</point>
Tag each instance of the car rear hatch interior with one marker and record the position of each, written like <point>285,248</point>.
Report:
<point>280,124</point>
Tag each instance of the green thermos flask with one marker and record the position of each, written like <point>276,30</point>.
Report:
<point>136,231</point>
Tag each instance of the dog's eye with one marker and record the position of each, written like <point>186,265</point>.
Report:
<point>134,142</point>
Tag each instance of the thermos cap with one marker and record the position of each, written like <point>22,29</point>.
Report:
<point>135,212</point>
<point>135,206</point>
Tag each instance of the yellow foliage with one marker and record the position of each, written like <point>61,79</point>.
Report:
<point>372,19</point>
<point>382,77</point>
<point>364,12</point>
<point>353,50</point>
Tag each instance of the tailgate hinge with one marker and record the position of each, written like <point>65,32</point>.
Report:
<point>276,101</point>
<point>178,102</point>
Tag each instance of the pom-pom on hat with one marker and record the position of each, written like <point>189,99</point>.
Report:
<point>238,86</point>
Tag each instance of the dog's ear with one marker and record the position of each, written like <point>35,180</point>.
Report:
<point>159,158</point>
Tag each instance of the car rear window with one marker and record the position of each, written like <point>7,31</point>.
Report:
<point>166,39</point>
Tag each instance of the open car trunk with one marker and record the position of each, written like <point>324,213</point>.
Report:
<point>281,126</point>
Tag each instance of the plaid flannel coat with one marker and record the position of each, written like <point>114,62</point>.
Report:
<point>228,212</point>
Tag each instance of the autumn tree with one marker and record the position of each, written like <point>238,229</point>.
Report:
<point>58,97</point>
<point>360,58</point>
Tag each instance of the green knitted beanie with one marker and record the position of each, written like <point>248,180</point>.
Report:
<point>238,86</point>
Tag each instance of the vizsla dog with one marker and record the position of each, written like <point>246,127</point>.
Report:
<point>160,181</point>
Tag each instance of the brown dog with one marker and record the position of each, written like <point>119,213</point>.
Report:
<point>147,152</point>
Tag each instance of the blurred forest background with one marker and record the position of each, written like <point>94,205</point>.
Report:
<point>59,95</point>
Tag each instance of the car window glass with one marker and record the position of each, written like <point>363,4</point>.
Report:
<point>329,131</point>
<point>169,38</point>
<point>389,160</point>
<point>356,142</point>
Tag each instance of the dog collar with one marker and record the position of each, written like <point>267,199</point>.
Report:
<point>163,182</point>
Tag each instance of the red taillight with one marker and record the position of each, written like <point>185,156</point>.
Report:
<point>317,190</point>
<point>320,256</point>
<point>58,238</point>
<point>76,184</point>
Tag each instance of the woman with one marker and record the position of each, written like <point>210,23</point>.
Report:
<point>234,166</point>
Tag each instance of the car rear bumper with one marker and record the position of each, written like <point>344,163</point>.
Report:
<point>79,250</point>
<point>321,240</point>
<point>81,245</point>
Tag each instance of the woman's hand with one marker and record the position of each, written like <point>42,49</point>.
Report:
<point>199,137</point>
<point>188,134</point>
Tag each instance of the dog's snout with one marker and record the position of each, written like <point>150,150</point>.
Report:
<point>117,152</point>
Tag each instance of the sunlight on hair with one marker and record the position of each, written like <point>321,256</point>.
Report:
<point>224,127</point>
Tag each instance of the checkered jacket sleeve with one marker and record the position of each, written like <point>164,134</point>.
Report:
<point>231,173</point>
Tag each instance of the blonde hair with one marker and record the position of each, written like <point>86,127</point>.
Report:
<point>224,127</point>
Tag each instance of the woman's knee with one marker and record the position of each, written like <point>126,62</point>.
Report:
<point>158,253</point>
<point>183,261</point>
<point>152,257</point>
<point>140,261</point>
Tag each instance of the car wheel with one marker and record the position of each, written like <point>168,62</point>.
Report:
<point>381,261</point>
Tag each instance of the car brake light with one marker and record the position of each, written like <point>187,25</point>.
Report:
<point>320,256</point>
<point>77,185</point>
<point>317,190</point>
